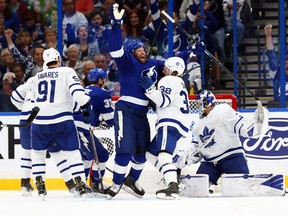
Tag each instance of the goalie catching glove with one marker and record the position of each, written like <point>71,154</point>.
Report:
<point>261,117</point>
<point>116,15</point>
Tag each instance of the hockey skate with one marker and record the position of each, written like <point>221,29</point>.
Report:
<point>26,187</point>
<point>80,186</point>
<point>171,192</point>
<point>71,186</point>
<point>133,187</point>
<point>98,190</point>
<point>40,185</point>
<point>113,190</point>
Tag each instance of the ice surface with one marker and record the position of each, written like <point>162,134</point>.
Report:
<point>63,203</point>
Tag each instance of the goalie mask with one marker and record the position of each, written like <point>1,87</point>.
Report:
<point>205,99</point>
<point>175,64</point>
<point>96,73</point>
<point>51,55</point>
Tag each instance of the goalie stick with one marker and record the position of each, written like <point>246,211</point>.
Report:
<point>192,38</point>
<point>30,119</point>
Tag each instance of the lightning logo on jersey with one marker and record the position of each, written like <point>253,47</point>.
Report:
<point>151,73</point>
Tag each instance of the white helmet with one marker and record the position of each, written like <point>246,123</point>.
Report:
<point>50,55</point>
<point>175,64</point>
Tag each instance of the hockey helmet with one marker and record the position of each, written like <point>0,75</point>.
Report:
<point>96,73</point>
<point>205,99</point>
<point>135,45</point>
<point>50,55</point>
<point>175,64</point>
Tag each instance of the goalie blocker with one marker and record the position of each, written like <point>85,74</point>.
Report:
<point>253,185</point>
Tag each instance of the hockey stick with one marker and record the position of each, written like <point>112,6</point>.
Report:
<point>96,159</point>
<point>30,119</point>
<point>212,57</point>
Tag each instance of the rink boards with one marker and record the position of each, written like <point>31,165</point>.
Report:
<point>265,155</point>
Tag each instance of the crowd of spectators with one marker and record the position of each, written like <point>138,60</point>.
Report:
<point>28,27</point>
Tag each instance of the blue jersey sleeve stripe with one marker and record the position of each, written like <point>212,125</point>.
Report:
<point>20,96</point>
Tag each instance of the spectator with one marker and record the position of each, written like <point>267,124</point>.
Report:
<point>273,64</point>
<point>73,17</point>
<point>228,15</point>
<point>33,62</point>
<point>21,10</point>
<point>19,71</point>
<point>35,28</point>
<point>84,6</point>
<point>106,11</point>
<point>158,30</point>
<point>50,38</point>
<point>11,19</point>
<point>87,66</point>
<point>134,25</point>
<point>24,42</point>
<point>99,32</point>
<point>5,93</point>
<point>73,59</point>
<point>7,61</point>
<point>139,5</point>
<point>87,48</point>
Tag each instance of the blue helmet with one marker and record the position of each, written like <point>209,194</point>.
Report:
<point>205,99</point>
<point>96,73</point>
<point>135,45</point>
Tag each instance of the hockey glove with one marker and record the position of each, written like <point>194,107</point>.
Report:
<point>196,49</point>
<point>147,84</point>
<point>116,15</point>
<point>87,113</point>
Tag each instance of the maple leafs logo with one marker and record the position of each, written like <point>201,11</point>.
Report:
<point>207,136</point>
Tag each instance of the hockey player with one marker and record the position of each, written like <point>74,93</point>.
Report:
<point>132,131</point>
<point>21,98</point>
<point>173,122</point>
<point>54,91</point>
<point>217,133</point>
<point>101,102</point>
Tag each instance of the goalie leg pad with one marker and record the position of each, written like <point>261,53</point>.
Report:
<point>196,185</point>
<point>253,185</point>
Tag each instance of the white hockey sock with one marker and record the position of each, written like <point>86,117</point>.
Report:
<point>75,162</point>
<point>62,165</point>
<point>26,163</point>
<point>38,163</point>
<point>166,167</point>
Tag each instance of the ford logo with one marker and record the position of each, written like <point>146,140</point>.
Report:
<point>272,146</point>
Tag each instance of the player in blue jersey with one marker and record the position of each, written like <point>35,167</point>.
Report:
<point>101,102</point>
<point>274,68</point>
<point>132,130</point>
<point>173,122</point>
<point>54,91</point>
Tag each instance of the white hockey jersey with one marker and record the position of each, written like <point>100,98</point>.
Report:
<point>171,99</point>
<point>221,129</point>
<point>55,90</point>
<point>22,98</point>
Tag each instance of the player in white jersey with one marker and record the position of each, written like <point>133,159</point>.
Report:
<point>217,136</point>
<point>21,98</point>
<point>173,122</point>
<point>54,91</point>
